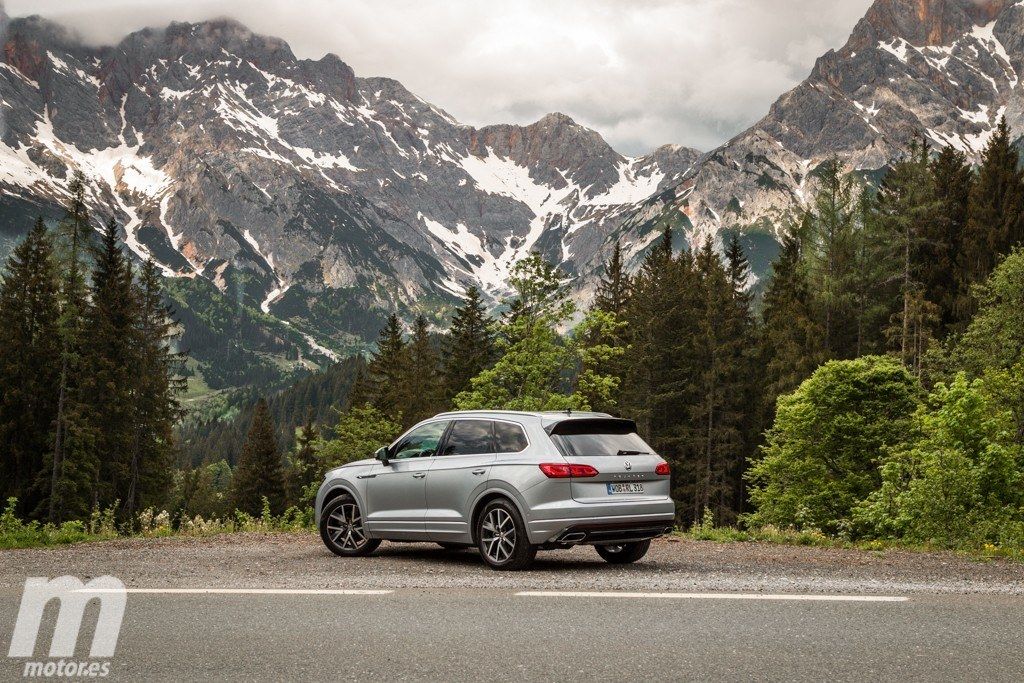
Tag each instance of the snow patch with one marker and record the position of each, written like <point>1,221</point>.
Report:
<point>896,47</point>
<point>986,35</point>
<point>631,187</point>
<point>168,94</point>
<point>325,159</point>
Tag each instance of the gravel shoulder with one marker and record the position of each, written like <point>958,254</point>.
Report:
<point>299,560</point>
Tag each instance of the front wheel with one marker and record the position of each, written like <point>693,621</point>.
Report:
<point>501,537</point>
<point>342,531</point>
<point>623,553</point>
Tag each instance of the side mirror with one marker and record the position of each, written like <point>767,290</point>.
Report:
<point>382,454</point>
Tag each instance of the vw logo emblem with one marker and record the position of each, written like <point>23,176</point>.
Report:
<point>627,465</point>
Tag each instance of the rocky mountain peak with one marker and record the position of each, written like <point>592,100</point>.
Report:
<point>923,22</point>
<point>307,192</point>
<point>947,70</point>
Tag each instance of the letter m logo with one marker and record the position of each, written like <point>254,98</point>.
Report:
<point>72,597</point>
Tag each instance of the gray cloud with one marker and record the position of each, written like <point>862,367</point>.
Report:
<point>641,72</point>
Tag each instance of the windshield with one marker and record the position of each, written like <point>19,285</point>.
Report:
<point>598,443</point>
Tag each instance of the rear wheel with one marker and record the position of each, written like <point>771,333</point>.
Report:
<point>501,537</point>
<point>341,528</point>
<point>623,553</point>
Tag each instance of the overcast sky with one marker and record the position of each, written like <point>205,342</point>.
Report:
<point>641,72</point>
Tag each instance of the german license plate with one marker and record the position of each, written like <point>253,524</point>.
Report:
<point>615,489</point>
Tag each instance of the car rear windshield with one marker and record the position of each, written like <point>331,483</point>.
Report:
<point>595,440</point>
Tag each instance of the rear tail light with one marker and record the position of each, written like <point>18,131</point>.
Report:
<point>663,469</point>
<point>564,470</point>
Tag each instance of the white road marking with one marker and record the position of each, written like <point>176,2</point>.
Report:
<point>714,596</point>
<point>245,591</point>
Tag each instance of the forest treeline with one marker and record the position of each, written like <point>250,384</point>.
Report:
<point>89,380</point>
<point>874,391</point>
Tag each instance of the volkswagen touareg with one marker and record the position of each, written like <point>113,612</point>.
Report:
<point>509,483</point>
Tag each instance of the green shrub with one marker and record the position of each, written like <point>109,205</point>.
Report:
<point>821,456</point>
<point>14,533</point>
<point>960,484</point>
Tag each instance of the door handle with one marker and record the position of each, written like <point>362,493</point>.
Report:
<point>480,471</point>
<point>419,475</point>
<point>365,476</point>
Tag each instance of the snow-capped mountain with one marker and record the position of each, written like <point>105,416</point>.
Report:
<point>948,69</point>
<point>323,196</point>
<point>327,199</point>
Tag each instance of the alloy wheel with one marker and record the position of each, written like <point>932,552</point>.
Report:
<point>499,535</point>
<point>345,527</point>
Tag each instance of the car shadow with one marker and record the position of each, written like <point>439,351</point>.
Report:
<point>547,560</point>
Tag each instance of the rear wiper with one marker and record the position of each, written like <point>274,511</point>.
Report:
<point>632,453</point>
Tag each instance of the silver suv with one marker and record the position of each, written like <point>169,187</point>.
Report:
<point>510,483</point>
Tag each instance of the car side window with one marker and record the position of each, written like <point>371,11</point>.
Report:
<point>509,438</point>
<point>420,442</point>
<point>470,437</point>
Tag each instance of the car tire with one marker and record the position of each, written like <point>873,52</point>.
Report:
<point>501,537</point>
<point>341,528</point>
<point>623,553</point>
<point>453,547</point>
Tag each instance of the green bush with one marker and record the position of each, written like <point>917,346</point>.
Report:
<point>959,485</point>
<point>822,454</point>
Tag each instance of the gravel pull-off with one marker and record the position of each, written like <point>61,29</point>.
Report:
<point>299,560</point>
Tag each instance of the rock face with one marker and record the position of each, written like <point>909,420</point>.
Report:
<point>947,69</point>
<point>328,200</point>
<point>318,195</point>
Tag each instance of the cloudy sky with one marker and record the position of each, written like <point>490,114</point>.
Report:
<point>641,72</point>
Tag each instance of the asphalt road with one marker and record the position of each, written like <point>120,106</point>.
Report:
<point>474,634</point>
<point>455,631</point>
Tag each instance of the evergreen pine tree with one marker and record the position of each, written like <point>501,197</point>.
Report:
<point>424,379</point>
<point>906,205</point>
<point>790,333</point>
<point>738,270</point>
<point>468,347</point>
<point>388,371</point>
<point>110,355</point>
<point>155,406</point>
<point>711,443</point>
<point>995,220</point>
<point>304,468</point>
<point>29,369</point>
<point>613,290</point>
<point>612,297</point>
<point>873,286</point>
<point>259,473</point>
<point>661,304</point>
<point>749,372</point>
<point>362,390</point>
<point>940,256</point>
<point>830,250</point>
<point>74,468</point>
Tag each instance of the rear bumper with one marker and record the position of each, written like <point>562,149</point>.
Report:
<point>631,524</point>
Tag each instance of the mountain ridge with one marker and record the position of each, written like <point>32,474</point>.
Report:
<point>408,205</point>
<point>863,102</point>
<point>327,200</point>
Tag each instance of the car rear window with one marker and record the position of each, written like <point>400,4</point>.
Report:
<point>598,439</point>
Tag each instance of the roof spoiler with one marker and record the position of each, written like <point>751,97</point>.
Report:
<point>591,425</point>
